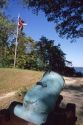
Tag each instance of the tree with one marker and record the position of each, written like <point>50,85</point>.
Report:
<point>42,50</point>
<point>2,3</point>
<point>57,59</point>
<point>51,56</point>
<point>25,45</point>
<point>7,29</point>
<point>66,14</point>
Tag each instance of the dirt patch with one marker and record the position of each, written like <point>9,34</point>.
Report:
<point>73,93</point>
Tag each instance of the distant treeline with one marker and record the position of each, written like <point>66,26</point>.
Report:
<point>40,55</point>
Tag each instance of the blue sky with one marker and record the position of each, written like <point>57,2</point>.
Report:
<point>38,26</point>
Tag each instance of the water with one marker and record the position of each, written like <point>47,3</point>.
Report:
<point>79,69</point>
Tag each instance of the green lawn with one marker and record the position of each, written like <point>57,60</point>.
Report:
<point>14,79</point>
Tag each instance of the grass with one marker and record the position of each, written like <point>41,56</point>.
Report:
<point>15,79</point>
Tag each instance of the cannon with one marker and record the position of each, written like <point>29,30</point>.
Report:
<point>41,99</point>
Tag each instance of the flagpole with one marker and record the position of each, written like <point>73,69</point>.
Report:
<point>16,44</point>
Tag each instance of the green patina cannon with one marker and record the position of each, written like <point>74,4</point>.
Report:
<point>41,99</point>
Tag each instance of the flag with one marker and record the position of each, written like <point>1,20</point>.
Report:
<point>20,24</point>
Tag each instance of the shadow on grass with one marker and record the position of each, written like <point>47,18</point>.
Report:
<point>74,88</point>
<point>81,112</point>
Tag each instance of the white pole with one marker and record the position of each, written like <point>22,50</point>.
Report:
<point>16,44</point>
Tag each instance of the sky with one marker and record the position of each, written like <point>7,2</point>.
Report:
<point>37,26</point>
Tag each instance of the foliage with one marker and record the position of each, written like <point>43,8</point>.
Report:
<point>7,29</point>
<point>24,47</point>
<point>31,62</point>
<point>50,56</point>
<point>3,3</point>
<point>66,14</point>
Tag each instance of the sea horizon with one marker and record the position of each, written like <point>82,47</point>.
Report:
<point>79,69</point>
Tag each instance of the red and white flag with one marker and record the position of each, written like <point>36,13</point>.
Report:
<point>21,24</point>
